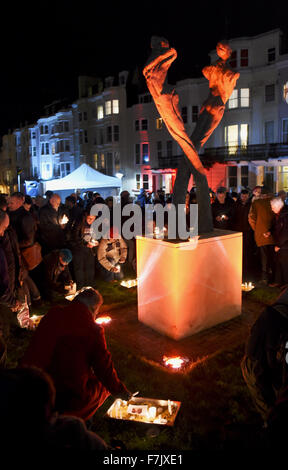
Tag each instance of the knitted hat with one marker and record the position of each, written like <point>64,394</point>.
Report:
<point>66,255</point>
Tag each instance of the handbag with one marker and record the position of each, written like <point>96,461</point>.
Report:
<point>32,256</point>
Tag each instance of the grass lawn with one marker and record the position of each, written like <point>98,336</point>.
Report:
<point>216,411</point>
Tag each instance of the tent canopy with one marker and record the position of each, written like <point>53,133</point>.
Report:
<point>84,177</point>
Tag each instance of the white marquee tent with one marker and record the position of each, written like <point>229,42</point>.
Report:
<point>83,179</point>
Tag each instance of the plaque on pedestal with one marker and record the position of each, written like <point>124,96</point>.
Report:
<point>185,288</point>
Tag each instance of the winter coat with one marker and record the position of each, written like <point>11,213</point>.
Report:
<point>261,219</point>
<point>280,229</point>
<point>240,221</point>
<point>56,275</point>
<point>71,347</point>
<point>219,209</point>
<point>24,225</point>
<point>51,233</point>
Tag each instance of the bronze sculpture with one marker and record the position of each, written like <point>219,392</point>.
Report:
<point>222,81</point>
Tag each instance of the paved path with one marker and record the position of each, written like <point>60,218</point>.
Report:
<point>151,346</point>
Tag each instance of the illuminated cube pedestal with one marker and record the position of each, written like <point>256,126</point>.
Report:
<point>183,288</point>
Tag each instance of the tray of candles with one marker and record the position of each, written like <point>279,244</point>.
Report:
<point>145,410</point>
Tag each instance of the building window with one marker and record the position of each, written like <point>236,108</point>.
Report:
<point>159,123</point>
<point>244,58</point>
<point>239,98</point>
<point>34,151</point>
<point>144,124</point>
<point>285,131</point>
<point>285,92</point>
<point>159,149</point>
<point>65,169</point>
<point>235,136</point>
<point>137,126</point>
<point>47,148</point>
<point>145,181</point>
<point>244,176</point>
<point>115,106</point>
<point>194,113</point>
<point>233,60</point>
<point>100,112</point>
<point>109,134</point>
<point>79,117</point>
<point>145,153</point>
<point>269,93</point>
<point>109,160</point>
<point>233,100</point>
<point>269,132</point>
<point>169,147</point>
<point>116,133</point>
<point>184,114</point>
<point>137,154</point>
<point>232,176</point>
<point>102,161</point>
<point>271,54</point>
<point>95,158</point>
<point>108,108</point>
<point>138,181</point>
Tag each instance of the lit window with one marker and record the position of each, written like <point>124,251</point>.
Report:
<point>108,108</point>
<point>243,135</point>
<point>115,106</point>
<point>236,135</point>
<point>244,97</point>
<point>102,161</point>
<point>100,113</point>
<point>233,100</point>
<point>145,153</point>
<point>285,92</point>
<point>138,181</point>
<point>159,123</point>
<point>95,156</point>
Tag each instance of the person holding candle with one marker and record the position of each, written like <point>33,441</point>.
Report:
<point>71,347</point>
<point>112,252</point>
<point>223,210</point>
<point>52,235</point>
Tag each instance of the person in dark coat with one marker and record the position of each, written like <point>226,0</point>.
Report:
<point>56,273</point>
<point>261,219</point>
<point>7,296</point>
<point>280,234</point>
<point>51,231</point>
<point>264,365</point>
<point>84,250</point>
<point>222,210</point>
<point>22,221</point>
<point>240,223</point>
<point>71,348</point>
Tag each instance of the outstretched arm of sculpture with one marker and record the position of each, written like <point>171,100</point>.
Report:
<point>166,98</point>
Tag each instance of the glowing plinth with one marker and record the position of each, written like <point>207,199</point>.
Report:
<point>184,288</point>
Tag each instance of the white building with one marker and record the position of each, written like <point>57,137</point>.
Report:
<point>104,129</point>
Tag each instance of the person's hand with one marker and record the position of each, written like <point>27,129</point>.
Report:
<point>122,260</point>
<point>267,234</point>
<point>276,248</point>
<point>115,269</point>
<point>125,395</point>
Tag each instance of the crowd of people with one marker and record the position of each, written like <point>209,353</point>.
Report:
<point>47,246</point>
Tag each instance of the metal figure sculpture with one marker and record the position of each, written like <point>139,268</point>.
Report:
<point>222,81</point>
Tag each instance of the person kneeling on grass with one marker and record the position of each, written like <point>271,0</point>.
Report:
<point>264,365</point>
<point>71,348</point>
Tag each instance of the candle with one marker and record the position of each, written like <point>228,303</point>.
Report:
<point>152,412</point>
<point>64,220</point>
<point>169,407</point>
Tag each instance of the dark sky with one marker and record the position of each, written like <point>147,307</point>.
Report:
<point>45,49</point>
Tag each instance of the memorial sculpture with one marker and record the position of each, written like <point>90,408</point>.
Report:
<point>222,81</point>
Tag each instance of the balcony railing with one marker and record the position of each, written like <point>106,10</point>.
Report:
<point>235,153</point>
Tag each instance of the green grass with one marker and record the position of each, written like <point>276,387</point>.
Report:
<point>216,409</point>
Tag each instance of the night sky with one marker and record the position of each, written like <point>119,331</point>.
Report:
<point>45,49</point>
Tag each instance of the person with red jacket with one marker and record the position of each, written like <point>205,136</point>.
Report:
<point>72,349</point>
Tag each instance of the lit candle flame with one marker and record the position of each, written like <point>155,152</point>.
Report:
<point>64,219</point>
<point>103,320</point>
<point>175,362</point>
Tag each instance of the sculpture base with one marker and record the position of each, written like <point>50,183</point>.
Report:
<point>183,288</point>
